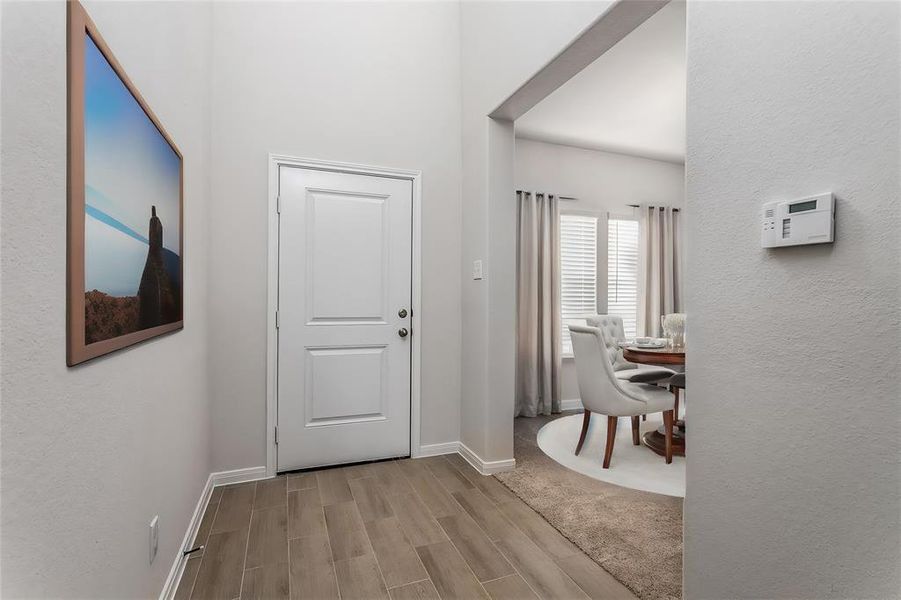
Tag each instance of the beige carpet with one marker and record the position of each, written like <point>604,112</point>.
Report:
<point>636,536</point>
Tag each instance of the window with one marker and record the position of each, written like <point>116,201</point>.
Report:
<point>622,272</point>
<point>578,272</point>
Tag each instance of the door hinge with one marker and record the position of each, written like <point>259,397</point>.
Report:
<point>276,320</point>
<point>276,435</point>
<point>278,205</point>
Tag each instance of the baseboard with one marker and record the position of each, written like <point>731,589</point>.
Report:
<point>213,480</point>
<point>238,475</point>
<point>178,566</point>
<point>485,467</point>
<point>437,449</point>
<point>571,404</point>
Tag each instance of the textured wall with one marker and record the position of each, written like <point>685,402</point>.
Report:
<point>92,453</point>
<point>371,83</point>
<point>793,478</point>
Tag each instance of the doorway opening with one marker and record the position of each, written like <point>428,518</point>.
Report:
<point>591,150</point>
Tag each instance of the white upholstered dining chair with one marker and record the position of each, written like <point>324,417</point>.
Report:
<point>623,369</point>
<point>595,351</point>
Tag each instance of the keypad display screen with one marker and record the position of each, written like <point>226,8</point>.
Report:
<point>802,206</point>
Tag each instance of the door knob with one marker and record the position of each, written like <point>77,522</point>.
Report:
<point>402,313</point>
<point>402,332</point>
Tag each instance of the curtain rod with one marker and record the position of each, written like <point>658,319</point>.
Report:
<point>660,207</point>
<point>559,197</point>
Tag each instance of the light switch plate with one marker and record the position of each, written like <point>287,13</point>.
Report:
<point>477,269</point>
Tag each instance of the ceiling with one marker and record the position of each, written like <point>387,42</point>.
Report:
<point>631,100</point>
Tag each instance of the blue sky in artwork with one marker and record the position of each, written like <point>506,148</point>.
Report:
<point>129,167</point>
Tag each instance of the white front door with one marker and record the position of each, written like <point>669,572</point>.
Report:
<point>344,316</point>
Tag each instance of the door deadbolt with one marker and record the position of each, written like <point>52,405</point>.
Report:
<point>402,332</point>
<point>402,313</point>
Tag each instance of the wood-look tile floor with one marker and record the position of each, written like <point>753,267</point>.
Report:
<point>404,529</point>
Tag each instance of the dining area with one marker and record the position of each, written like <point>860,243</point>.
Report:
<point>599,402</point>
<point>610,469</point>
<point>632,377</point>
<point>600,330</point>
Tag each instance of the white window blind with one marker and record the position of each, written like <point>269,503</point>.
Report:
<point>578,272</point>
<point>622,272</point>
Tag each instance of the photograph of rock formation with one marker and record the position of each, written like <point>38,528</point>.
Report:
<point>132,211</point>
<point>157,302</point>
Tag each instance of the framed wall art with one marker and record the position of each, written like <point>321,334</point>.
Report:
<point>125,206</point>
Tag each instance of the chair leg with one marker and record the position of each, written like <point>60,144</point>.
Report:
<point>611,437</point>
<point>586,419</point>
<point>676,408</point>
<point>668,434</point>
<point>635,431</point>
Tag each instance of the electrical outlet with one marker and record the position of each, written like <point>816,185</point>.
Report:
<point>154,536</point>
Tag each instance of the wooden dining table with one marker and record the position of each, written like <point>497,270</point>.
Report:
<point>666,356</point>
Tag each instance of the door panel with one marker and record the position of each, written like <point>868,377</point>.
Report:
<point>345,262</point>
<point>347,239</point>
<point>333,397</point>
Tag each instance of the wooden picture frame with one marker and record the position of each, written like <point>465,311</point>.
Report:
<point>130,320</point>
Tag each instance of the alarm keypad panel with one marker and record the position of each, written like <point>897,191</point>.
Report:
<point>798,222</point>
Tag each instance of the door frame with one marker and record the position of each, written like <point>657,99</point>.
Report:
<point>279,160</point>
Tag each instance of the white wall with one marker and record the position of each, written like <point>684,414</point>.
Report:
<point>92,453</point>
<point>794,482</point>
<point>601,182</point>
<point>371,83</point>
<point>499,53</point>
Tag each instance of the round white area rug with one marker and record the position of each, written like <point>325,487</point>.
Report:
<point>631,466</point>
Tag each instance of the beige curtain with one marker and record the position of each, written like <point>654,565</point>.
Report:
<point>538,305</point>
<point>660,266</point>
